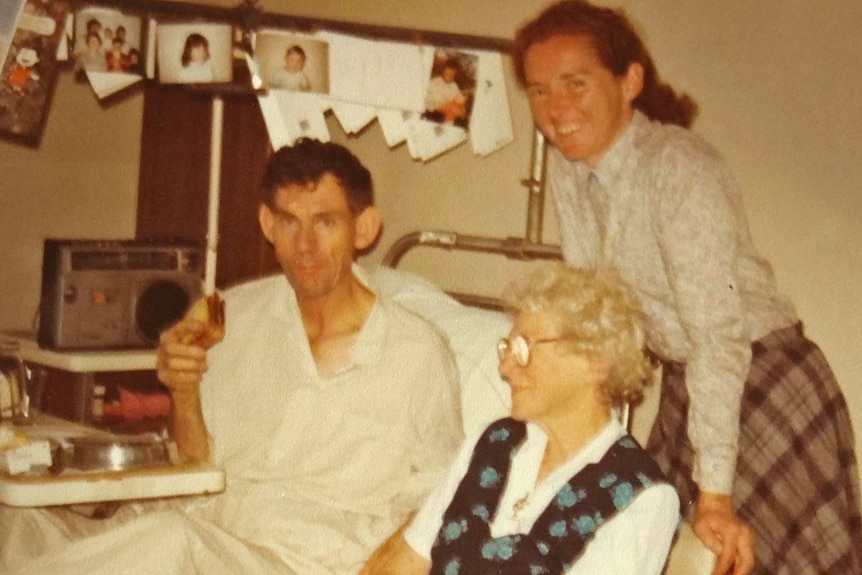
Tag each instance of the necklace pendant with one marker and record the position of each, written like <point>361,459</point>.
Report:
<point>519,506</point>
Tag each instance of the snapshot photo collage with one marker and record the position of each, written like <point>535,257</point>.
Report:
<point>429,97</point>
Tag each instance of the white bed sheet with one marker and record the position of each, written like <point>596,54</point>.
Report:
<point>472,333</point>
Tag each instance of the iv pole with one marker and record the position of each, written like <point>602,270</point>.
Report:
<point>216,130</point>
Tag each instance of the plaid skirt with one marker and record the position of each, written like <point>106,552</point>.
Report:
<point>796,483</point>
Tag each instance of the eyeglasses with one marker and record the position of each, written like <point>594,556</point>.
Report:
<point>519,347</point>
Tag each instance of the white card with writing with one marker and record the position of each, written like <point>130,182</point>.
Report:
<point>377,73</point>
<point>491,120</point>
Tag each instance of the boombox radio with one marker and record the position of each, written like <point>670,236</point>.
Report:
<point>114,294</point>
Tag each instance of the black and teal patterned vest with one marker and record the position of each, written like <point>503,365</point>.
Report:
<point>464,545</point>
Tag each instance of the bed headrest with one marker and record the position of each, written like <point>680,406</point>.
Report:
<point>472,333</point>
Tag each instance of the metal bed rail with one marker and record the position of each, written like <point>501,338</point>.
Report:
<point>512,248</point>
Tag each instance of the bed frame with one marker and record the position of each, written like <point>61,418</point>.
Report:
<point>512,248</point>
<point>528,248</point>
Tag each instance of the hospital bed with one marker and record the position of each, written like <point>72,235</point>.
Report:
<point>473,323</point>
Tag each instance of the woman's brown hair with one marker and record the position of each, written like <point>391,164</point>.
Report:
<point>618,45</point>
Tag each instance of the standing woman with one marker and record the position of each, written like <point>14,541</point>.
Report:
<point>752,427</point>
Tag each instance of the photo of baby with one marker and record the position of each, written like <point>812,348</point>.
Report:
<point>291,76</point>
<point>194,53</point>
<point>293,62</point>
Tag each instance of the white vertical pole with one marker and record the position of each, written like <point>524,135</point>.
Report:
<point>536,186</point>
<point>214,193</point>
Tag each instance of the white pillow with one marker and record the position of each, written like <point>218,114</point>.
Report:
<point>472,333</point>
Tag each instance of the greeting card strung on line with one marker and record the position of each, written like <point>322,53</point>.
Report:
<point>30,34</point>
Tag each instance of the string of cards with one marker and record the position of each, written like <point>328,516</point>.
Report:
<point>429,98</point>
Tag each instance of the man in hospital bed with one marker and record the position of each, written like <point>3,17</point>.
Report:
<point>332,409</point>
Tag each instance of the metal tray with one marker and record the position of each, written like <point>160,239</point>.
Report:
<point>96,453</point>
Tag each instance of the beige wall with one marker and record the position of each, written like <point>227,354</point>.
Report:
<point>82,181</point>
<point>779,95</point>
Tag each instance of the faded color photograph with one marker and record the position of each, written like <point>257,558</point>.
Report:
<point>451,88</point>
<point>194,53</point>
<point>107,41</point>
<point>293,62</point>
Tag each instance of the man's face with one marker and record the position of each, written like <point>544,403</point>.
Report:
<point>314,235</point>
<point>578,103</point>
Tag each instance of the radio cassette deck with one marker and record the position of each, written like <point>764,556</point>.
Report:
<point>114,294</point>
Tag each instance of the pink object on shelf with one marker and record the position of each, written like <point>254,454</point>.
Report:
<point>134,406</point>
<point>157,405</point>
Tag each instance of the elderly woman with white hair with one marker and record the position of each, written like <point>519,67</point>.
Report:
<point>559,487</point>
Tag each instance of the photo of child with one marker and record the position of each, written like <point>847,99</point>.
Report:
<point>120,36</point>
<point>449,97</point>
<point>292,62</point>
<point>195,59</point>
<point>116,60</point>
<point>136,65</point>
<point>92,59</point>
<point>195,53</point>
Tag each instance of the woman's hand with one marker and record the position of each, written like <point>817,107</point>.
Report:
<point>725,534</point>
<point>396,557</point>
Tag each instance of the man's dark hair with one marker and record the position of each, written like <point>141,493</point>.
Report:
<point>307,161</point>
<point>618,45</point>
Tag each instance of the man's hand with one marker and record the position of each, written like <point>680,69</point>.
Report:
<point>181,359</point>
<point>180,364</point>
<point>725,534</point>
